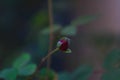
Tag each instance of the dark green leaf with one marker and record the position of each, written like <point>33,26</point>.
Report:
<point>40,18</point>
<point>27,70</point>
<point>64,76</point>
<point>83,20</point>
<point>111,75</point>
<point>82,73</point>
<point>9,74</point>
<point>112,60</point>
<point>21,61</point>
<point>69,31</point>
<point>43,45</point>
<point>44,72</point>
<point>56,27</point>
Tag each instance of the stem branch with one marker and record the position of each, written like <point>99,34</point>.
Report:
<point>42,61</point>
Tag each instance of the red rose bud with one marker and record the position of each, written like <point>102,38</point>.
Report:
<point>63,44</point>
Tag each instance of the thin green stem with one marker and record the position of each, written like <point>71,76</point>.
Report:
<point>49,54</point>
<point>42,61</point>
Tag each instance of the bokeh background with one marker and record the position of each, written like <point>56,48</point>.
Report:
<point>92,25</point>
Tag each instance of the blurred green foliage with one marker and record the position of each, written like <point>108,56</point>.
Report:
<point>64,76</point>
<point>83,20</point>
<point>44,73</point>
<point>21,61</point>
<point>81,73</point>
<point>9,74</point>
<point>46,31</point>
<point>27,70</point>
<point>71,29</point>
<point>22,68</point>
<point>111,66</point>
<point>43,42</point>
<point>111,75</point>
<point>39,19</point>
<point>112,60</point>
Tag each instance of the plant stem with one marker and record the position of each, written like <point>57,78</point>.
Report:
<point>48,58</point>
<point>49,54</point>
<point>45,58</point>
<point>42,61</point>
<point>50,13</point>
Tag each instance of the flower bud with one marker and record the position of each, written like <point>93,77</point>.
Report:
<point>63,45</point>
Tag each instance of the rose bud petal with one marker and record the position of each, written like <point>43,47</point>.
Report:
<point>63,44</point>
